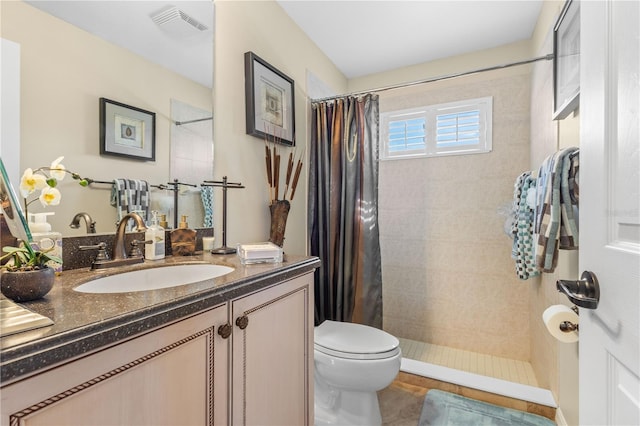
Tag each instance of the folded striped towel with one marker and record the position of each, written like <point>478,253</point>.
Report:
<point>523,250</point>
<point>555,225</point>
<point>130,195</point>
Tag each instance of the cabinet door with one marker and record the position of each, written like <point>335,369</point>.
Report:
<point>272,363</point>
<point>165,377</point>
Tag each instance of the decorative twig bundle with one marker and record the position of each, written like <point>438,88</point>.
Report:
<point>272,162</point>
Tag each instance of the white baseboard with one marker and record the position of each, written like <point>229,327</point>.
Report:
<point>560,420</point>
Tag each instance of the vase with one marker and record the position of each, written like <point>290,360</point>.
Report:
<point>23,286</point>
<point>279,213</point>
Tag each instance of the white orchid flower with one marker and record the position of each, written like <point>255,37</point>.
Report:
<point>30,182</point>
<point>50,196</point>
<point>57,170</point>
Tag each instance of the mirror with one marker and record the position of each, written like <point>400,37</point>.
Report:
<point>11,207</point>
<point>65,69</point>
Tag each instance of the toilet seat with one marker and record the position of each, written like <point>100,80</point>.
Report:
<point>354,341</point>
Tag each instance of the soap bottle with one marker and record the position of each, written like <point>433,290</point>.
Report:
<point>183,239</point>
<point>163,221</point>
<point>44,239</point>
<point>155,233</point>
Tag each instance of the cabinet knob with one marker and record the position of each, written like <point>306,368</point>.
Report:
<point>242,322</point>
<point>224,331</point>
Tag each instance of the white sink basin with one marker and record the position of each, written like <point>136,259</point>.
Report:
<point>154,278</point>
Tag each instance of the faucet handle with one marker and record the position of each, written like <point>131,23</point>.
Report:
<point>135,248</point>
<point>102,251</point>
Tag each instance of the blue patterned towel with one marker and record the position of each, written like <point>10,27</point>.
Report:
<point>206,193</point>
<point>556,199</point>
<point>523,250</point>
<point>130,195</point>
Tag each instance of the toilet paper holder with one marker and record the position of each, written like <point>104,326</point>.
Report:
<point>568,326</point>
<point>584,292</point>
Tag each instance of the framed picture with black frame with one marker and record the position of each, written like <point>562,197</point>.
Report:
<point>269,101</point>
<point>127,131</point>
<point>566,61</point>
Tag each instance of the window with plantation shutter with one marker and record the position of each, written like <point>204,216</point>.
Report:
<point>454,128</point>
<point>407,134</point>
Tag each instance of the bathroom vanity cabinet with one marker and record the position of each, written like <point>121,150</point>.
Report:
<point>248,360</point>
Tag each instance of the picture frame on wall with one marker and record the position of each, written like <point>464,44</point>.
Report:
<point>566,61</point>
<point>127,131</point>
<point>269,101</point>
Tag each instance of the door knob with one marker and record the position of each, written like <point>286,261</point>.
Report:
<point>584,292</point>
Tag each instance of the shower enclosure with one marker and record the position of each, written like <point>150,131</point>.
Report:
<point>450,290</point>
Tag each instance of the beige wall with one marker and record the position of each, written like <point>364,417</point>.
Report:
<point>65,71</point>
<point>555,364</point>
<point>448,276</point>
<point>264,28</point>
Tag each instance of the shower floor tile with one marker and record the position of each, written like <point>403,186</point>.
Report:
<point>472,362</point>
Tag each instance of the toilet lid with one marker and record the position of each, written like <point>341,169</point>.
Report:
<point>350,340</point>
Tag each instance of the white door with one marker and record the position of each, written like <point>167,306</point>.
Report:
<point>610,211</point>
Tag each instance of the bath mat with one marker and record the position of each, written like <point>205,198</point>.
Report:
<point>444,408</point>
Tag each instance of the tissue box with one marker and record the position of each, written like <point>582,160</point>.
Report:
<point>259,253</point>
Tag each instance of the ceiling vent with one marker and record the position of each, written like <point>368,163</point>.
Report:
<point>177,23</point>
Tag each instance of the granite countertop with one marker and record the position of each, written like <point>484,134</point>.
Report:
<point>85,322</point>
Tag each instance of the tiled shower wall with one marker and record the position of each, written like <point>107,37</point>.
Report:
<point>448,276</point>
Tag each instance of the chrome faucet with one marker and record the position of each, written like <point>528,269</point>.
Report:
<point>119,250</point>
<point>90,223</point>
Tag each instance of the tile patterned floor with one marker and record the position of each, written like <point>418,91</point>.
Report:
<point>401,404</point>
<point>487,365</point>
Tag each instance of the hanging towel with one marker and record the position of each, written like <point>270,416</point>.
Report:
<point>206,193</point>
<point>569,196</point>
<point>130,195</point>
<point>555,225</point>
<point>523,250</point>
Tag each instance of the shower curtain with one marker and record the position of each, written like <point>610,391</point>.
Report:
<point>343,210</point>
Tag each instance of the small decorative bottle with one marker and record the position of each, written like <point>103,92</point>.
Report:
<point>183,239</point>
<point>155,233</point>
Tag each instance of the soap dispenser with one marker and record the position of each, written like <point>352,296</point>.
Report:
<point>155,234</point>
<point>183,239</point>
<point>163,221</point>
<point>44,239</point>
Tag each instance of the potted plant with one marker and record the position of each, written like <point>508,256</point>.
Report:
<point>26,275</point>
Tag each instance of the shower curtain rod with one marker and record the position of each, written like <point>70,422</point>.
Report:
<point>547,57</point>
<point>180,123</point>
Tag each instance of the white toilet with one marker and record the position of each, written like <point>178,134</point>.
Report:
<point>352,362</point>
